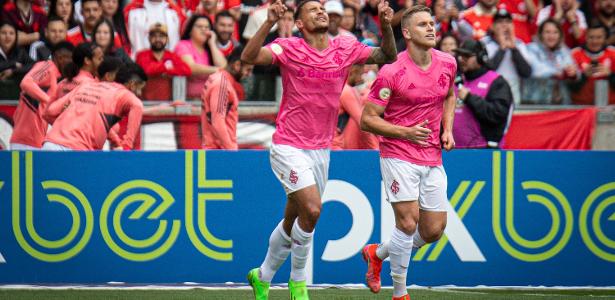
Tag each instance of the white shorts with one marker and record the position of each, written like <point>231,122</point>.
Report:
<point>49,146</point>
<point>15,146</point>
<point>298,168</point>
<point>405,181</point>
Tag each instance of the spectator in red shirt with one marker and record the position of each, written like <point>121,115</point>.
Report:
<point>160,64</point>
<point>596,61</point>
<point>225,29</point>
<point>92,14</point>
<point>479,18</point>
<point>29,19</point>
<point>523,13</point>
<point>570,17</point>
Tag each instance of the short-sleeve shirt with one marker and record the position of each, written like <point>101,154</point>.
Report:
<point>410,96</point>
<point>195,82</point>
<point>312,81</point>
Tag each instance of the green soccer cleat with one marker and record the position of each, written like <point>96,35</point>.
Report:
<point>298,290</point>
<point>260,288</point>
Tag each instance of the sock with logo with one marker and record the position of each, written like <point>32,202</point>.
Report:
<point>279,249</point>
<point>301,243</point>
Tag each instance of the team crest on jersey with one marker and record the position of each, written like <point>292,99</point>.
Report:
<point>277,49</point>
<point>300,73</point>
<point>395,187</point>
<point>399,74</point>
<point>384,93</point>
<point>337,59</point>
<point>293,178</point>
<point>442,81</point>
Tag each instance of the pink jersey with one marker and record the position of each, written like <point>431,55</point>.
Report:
<point>30,127</point>
<point>313,81</point>
<point>412,96</point>
<point>219,115</point>
<point>65,86</point>
<point>84,117</point>
<point>349,104</point>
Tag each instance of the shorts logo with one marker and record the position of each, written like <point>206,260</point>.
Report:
<point>293,177</point>
<point>384,93</point>
<point>395,187</point>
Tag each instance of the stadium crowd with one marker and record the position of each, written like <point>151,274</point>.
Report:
<point>552,52</point>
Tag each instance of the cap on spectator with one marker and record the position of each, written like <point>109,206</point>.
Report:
<point>334,7</point>
<point>469,48</point>
<point>158,27</point>
<point>502,14</point>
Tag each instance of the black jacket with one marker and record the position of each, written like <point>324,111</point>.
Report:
<point>491,112</point>
<point>17,55</point>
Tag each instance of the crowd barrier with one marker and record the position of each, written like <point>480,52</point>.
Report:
<point>178,126</point>
<point>515,218</point>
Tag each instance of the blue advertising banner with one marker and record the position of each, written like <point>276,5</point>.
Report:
<point>515,218</point>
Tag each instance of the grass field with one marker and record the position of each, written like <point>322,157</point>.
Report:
<point>330,293</point>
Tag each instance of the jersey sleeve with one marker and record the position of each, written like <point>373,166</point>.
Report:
<point>131,106</point>
<point>382,88</point>
<point>218,102</point>
<point>41,75</point>
<point>360,53</point>
<point>278,50</point>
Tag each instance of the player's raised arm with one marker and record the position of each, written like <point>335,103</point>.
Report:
<point>387,52</point>
<point>254,52</point>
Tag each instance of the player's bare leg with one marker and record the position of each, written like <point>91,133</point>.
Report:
<point>431,227</point>
<point>307,204</point>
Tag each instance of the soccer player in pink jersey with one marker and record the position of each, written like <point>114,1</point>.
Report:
<point>409,101</point>
<point>314,69</point>
<point>82,119</point>
<point>36,88</point>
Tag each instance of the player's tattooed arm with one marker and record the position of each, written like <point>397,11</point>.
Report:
<point>387,52</point>
<point>254,53</point>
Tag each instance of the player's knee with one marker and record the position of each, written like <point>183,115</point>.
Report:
<point>432,233</point>
<point>407,225</point>
<point>310,217</point>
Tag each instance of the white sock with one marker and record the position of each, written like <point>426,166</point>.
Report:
<point>300,249</point>
<point>383,250</point>
<point>417,240</point>
<point>279,248</point>
<point>400,248</point>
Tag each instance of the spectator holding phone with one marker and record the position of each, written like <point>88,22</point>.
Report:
<point>596,61</point>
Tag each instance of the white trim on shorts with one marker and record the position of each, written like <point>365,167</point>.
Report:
<point>405,181</point>
<point>23,147</point>
<point>299,168</point>
<point>49,146</point>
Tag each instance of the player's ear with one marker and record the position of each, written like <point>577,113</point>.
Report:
<point>406,33</point>
<point>299,24</point>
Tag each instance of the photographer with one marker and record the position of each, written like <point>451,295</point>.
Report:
<point>485,100</point>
